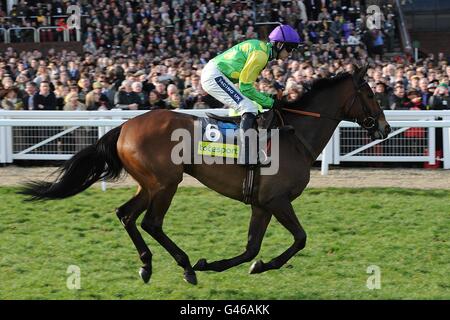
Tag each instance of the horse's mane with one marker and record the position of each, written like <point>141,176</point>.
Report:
<point>322,83</point>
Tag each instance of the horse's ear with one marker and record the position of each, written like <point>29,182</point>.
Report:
<point>364,69</point>
<point>360,73</point>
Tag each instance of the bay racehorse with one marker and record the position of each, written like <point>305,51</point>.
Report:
<point>142,146</point>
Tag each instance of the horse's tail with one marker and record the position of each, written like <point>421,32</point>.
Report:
<point>98,161</point>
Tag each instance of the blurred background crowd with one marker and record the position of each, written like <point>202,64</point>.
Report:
<point>143,55</point>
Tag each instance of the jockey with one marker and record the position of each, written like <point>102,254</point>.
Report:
<point>242,64</point>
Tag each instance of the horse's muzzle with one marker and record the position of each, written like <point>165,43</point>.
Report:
<point>382,131</point>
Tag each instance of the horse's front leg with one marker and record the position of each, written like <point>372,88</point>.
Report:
<point>258,225</point>
<point>283,211</point>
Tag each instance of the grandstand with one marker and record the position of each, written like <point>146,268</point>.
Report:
<point>144,55</point>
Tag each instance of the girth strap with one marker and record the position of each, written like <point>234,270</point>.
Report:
<point>248,185</point>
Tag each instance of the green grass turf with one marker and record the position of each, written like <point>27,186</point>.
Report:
<point>404,232</point>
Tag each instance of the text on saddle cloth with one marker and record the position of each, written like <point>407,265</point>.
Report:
<point>221,139</point>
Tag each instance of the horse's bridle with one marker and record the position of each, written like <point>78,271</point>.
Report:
<point>369,122</point>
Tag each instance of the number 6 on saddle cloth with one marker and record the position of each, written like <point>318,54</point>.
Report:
<point>220,138</point>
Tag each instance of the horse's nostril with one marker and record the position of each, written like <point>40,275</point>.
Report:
<point>387,130</point>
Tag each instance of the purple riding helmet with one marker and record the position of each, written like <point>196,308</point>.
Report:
<point>284,37</point>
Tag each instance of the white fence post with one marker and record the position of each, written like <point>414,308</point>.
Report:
<point>446,143</point>
<point>2,143</point>
<point>6,143</point>
<point>327,155</point>
<point>432,145</point>
<point>101,133</point>
<point>337,146</point>
<point>9,144</point>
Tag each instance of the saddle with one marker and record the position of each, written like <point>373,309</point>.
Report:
<point>266,120</point>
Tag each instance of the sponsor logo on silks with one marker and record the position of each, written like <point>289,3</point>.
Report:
<point>216,149</point>
<point>229,89</point>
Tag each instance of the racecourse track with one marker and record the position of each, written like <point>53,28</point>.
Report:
<point>339,177</point>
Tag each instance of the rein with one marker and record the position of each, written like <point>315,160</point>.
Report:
<point>307,113</point>
<point>303,113</point>
<point>369,122</point>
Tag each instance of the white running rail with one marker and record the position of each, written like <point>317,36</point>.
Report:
<point>57,135</point>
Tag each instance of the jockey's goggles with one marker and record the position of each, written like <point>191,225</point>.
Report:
<point>290,47</point>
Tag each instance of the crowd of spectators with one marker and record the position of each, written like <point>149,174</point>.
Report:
<point>143,55</point>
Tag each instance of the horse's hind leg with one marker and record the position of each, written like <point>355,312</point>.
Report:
<point>153,222</point>
<point>127,214</point>
<point>283,211</point>
<point>258,225</point>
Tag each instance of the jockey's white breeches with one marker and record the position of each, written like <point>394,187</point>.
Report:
<point>217,84</point>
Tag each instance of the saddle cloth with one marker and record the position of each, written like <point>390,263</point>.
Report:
<point>220,139</point>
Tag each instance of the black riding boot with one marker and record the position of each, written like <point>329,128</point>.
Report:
<point>248,157</point>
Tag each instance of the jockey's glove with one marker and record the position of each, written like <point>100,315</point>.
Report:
<point>294,104</point>
<point>278,103</point>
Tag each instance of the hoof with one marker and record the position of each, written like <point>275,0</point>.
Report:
<point>145,274</point>
<point>190,277</point>
<point>256,267</point>
<point>200,265</point>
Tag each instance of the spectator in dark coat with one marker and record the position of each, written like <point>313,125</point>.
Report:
<point>30,93</point>
<point>398,100</point>
<point>312,8</point>
<point>154,101</point>
<point>45,99</point>
<point>143,97</point>
<point>125,98</point>
<point>74,73</point>
<point>96,100</point>
<point>423,89</point>
<point>381,95</point>
<point>440,100</point>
